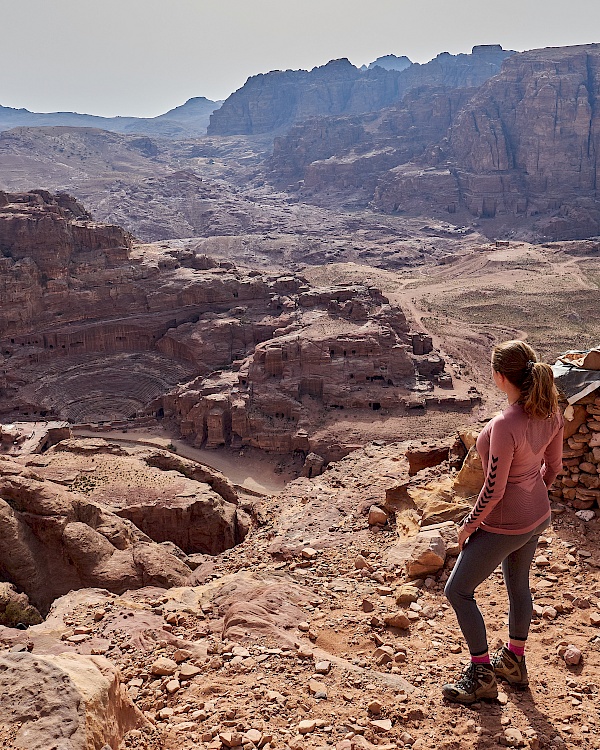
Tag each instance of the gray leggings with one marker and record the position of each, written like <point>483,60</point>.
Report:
<point>479,558</point>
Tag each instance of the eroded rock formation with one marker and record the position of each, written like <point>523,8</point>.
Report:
<point>342,348</point>
<point>276,100</point>
<point>523,151</point>
<point>352,152</point>
<point>87,514</point>
<point>262,354</point>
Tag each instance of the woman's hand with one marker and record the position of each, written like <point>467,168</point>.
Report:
<point>463,535</point>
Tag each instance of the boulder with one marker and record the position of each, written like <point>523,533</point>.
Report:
<point>15,608</point>
<point>56,541</point>
<point>67,701</point>
<point>420,556</point>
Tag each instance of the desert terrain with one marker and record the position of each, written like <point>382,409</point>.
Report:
<point>241,379</point>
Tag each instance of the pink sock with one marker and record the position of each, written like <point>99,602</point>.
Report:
<point>517,650</point>
<point>483,659</point>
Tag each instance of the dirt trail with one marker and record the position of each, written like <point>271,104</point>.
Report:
<point>248,469</point>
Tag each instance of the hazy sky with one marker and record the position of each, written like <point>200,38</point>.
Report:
<point>143,57</point>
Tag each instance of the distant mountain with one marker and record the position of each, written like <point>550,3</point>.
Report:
<point>391,62</point>
<point>522,156</point>
<point>188,120</point>
<point>273,102</point>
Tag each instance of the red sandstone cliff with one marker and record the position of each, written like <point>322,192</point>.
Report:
<point>276,100</point>
<point>522,152</point>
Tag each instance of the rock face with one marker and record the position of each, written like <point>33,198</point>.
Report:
<point>274,101</point>
<point>353,152</point>
<point>523,151</point>
<point>118,520</point>
<point>267,350</point>
<point>15,608</point>
<point>56,540</point>
<point>68,701</point>
<point>83,315</point>
<point>343,348</point>
<point>391,62</point>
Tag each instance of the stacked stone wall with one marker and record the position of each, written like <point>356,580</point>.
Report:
<point>579,482</point>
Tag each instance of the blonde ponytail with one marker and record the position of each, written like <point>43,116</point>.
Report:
<point>518,362</point>
<point>541,400</point>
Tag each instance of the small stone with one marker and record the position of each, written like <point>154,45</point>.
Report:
<point>304,652</point>
<point>397,620</point>
<point>541,561</point>
<point>383,655</point>
<point>377,516</point>
<point>306,726</point>
<point>172,686</point>
<point>367,606</point>
<point>572,655</point>
<point>407,594</point>
<point>99,614</point>
<point>323,667</point>
<point>513,737</point>
<point>318,689</point>
<point>595,619</point>
<point>253,735</point>
<point>163,667</point>
<point>502,698</point>
<point>455,648</point>
<point>361,564</point>
<point>230,739</point>
<point>308,553</point>
<point>304,627</point>
<point>549,613</point>
<point>375,707</point>
<point>172,618</point>
<point>188,671</point>
<point>165,713</point>
<point>381,725</point>
<point>240,651</point>
<point>182,654</point>
<point>586,515</point>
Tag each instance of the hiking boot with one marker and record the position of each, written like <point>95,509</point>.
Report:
<point>478,682</point>
<point>510,667</point>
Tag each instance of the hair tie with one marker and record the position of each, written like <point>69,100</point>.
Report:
<point>529,365</point>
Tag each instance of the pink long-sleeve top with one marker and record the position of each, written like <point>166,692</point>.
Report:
<point>521,457</point>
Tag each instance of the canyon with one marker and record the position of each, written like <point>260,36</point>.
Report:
<point>305,298</point>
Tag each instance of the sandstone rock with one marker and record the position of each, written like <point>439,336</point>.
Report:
<point>306,726</point>
<point>15,608</point>
<point>493,161</point>
<point>572,655</point>
<point>71,701</point>
<point>164,666</point>
<point>397,620</point>
<point>48,550</point>
<point>407,594</point>
<point>272,101</point>
<point>422,555</point>
<point>381,725</point>
<point>323,667</point>
<point>377,516</point>
<point>361,564</point>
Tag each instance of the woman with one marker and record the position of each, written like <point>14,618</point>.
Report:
<point>521,451</point>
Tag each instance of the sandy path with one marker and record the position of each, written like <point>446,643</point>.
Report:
<point>249,469</point>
